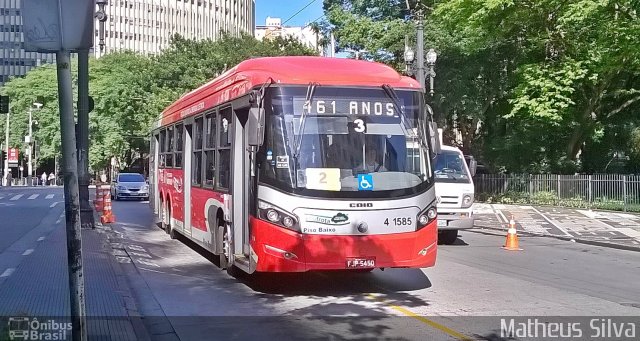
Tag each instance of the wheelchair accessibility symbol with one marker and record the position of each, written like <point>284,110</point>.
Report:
<point>365,182</point>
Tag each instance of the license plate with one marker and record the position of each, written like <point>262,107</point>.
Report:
<point>364,262</point>
<point>442,223</point>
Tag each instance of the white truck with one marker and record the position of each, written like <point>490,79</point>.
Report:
<point>454,190</point>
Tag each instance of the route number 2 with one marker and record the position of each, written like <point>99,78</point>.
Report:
<point>327,179</point>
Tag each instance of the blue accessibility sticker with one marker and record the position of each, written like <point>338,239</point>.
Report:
<point>365,182</point>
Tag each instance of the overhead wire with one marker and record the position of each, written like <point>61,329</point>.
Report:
<point>298,12</point>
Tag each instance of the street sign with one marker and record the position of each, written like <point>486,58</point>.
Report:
<point>13,157</point>
<point>51,26</point>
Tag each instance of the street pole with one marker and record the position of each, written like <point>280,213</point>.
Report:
<point>71,197</point>
<point>6,146</point>
<point>420,51</point>
<point>30,165</point>
<point>86,213</point>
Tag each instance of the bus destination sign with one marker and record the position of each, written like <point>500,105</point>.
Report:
<point>346,106</point>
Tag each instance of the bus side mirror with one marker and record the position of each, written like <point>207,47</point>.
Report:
<point>255,127</point>
<point>435,138</point>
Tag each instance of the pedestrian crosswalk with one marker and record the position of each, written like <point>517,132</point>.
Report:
<point>13,197</point>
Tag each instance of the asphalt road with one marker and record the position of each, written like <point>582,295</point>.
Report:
<point>472,286</point>
<point>23,209</point>
<point>27,216</point>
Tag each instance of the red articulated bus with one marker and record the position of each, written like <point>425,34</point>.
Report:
<point>291,164</point>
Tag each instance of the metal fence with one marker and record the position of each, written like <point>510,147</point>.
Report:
<point>35,181</point>
<point>603,191</point>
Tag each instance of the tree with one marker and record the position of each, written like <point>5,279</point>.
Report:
<point>130,91</point>
<point>377,27</point>
<point>23,92</point>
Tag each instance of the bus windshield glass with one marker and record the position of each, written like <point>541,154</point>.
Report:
<point>323,140</point>
<point>449,167</point>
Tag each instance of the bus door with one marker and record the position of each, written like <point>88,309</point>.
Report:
<point>240,183</point>
<point>154,157</point>
<point>187,173</point>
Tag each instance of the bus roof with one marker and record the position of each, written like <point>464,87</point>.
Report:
<point>289,70</point>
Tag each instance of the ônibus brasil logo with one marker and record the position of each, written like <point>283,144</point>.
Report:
<point>25,328</point>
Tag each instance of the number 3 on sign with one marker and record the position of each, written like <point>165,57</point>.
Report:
<point>327,179</point>
<point>359,126</point>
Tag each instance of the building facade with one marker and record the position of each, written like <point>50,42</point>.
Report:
<point>14,60</point>
<point>144,26</point>
<point>305,34</point>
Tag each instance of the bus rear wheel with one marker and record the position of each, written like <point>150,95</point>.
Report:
<point>166,217</point>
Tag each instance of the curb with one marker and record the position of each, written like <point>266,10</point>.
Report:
<point>133,313</point>
<point>565,238</point>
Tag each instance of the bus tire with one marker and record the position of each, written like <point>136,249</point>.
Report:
<point>447,237</point>
<point>167,217</point>
<point>224,262</point>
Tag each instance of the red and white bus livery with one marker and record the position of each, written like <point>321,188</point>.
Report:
<point>291,164</point>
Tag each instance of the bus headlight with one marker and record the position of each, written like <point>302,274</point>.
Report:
<point>427,216</point>
<point>273,216</point>
<point>467,200</point>
<point>277,216</point>
<point>432,213</point>
<point>288,222</point>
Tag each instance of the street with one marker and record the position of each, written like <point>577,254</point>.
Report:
<point>33,266</point>
<point>182,294</point>
<point>190,298</point>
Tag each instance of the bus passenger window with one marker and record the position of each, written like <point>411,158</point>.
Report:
<point>169,155</point>
<point>179,144</point>
<point>225,127</point>
<point>224,168</point>
<point>211,131</point>
<point>197,152</point>
<point>210,169</point>
<point>197,141</point>
<point>197,168</point>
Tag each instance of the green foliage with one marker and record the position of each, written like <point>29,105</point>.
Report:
<point>376,27</point>
<point>532,86</point>
<point>130,91</point>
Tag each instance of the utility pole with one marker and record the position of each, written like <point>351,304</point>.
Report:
<point>86,213</point>
<point>30,164</point>
<point>6,146</point>
<point>69,27</point>
<point>71,196</point>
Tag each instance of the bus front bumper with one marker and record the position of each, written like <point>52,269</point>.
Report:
<point>282,250</point>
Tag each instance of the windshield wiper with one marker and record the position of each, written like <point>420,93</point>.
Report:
<point>391,93</point>
<point>297,139</point>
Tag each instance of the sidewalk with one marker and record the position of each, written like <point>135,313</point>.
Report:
<point>605,228</point>
<point>39,287</point>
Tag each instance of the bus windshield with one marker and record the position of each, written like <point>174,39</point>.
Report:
<point>449,167</point>
<point>348,140</point>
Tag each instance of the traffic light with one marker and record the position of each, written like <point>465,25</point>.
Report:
<point>4,104</point>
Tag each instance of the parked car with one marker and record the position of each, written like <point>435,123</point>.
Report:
<point>129,185</point>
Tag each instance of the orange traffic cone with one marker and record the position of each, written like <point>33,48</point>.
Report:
<point>99,202</point>
<point>512,237</point>
<point>107,215</point>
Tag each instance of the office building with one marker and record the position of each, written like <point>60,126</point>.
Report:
<point>144,26</point>
<point>305,34</point>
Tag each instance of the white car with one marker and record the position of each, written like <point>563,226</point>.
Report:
<point>129,185</point>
